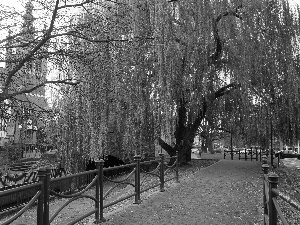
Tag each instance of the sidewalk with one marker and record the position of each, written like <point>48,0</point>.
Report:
<point>227,193</point>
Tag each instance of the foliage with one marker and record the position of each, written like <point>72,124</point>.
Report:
<point>12,152</point>
<point>158,70</point>
<point>159,57</point>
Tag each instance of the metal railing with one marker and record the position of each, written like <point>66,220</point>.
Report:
<point>17,199</point>
<point>38,188</point>
<point>254,154</point>
<point>62,187</point>
<point>272,209</point>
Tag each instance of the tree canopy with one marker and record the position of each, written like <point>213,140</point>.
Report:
<point>156,70</point>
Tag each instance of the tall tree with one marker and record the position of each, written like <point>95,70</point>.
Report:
<point>159,67</point>
<point>180,60</point>
<point>249,46</point>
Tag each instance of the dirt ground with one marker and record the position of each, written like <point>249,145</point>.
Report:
<point>289,184</point>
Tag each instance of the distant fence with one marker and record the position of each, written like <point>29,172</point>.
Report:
<point>252,154</point>
<point>77,185</point>
<point>272,209</point>
<point>7,180</point>
<point>12,181</point>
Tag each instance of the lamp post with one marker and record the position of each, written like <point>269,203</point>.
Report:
<point>271,142</point>
<point>271,127</point>
<point>231,145</point>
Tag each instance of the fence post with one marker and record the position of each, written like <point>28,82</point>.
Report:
<point>273,181</point>
<point>260,153</point>
<point>40,206</point>
<point>224,154</point>
<point>100,165</point>
<point>265,168</point>
<point>239,154</point>
<point>251,152</point>
<point>177,167</point>
<point>137,197</point>
<point>256,153</point>
<point>46,195</point>
<point>264,159</point>
<point>161,175</point>
<point>97,203</point>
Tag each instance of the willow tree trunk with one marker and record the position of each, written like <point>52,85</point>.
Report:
<point>185,132</point>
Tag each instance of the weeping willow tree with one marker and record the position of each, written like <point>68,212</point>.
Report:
<point>221,46</point>
<point>111,111</point>
<point>156,68</point>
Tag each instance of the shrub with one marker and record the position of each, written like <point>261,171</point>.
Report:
<point>13,152</point>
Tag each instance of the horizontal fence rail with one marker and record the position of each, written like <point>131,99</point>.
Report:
<point>272,209</point>
<point>73,187</point>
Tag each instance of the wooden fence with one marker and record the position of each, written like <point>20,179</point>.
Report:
<point>272,209</point>
<point>61,187</point>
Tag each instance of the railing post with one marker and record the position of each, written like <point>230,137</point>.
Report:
<point>40,206</point>
<point>264,159</point>
<point>273,181</point>
<point>97,203</point>
<point>245,154</point>
<point>256,153</point>
<point>161,175</point>
<point>177,167</point>
<point>239,154</point>
<point>251,153</point>
<point>100,192</point>
<point>224,154</point>
<point>265,168</point>
<point>46,195</point>
<point>137,198</point>
<point>260,154</point>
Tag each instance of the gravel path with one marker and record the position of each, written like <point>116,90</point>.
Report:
<point>228,192</point>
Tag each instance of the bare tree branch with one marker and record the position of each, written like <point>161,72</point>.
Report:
<point>76,5</point>
<point>218,43</point>
<point>65,81</point>
<point>32,52</point>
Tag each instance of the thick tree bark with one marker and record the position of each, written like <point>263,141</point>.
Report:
<point>185,134</point>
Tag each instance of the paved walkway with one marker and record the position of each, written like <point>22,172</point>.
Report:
<point>226,193</point>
